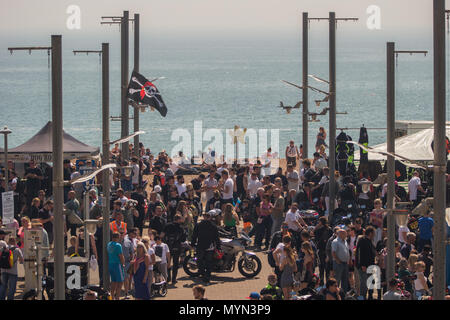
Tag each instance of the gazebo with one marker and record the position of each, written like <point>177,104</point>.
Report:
<point>39,148</point>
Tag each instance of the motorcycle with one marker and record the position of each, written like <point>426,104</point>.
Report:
<point>311,217</point>
<point>249,265</point>
<point>48,285</point>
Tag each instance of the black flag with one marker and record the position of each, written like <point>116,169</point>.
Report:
<point>142,91</point>
<point>364,140</point>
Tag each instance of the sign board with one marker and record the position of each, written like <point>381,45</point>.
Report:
<point>8,207</point>
<point>76,271</point>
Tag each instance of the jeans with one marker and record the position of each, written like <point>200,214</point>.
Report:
<point>263,230</point>
<point>341,275</point>
<point>324,270</point>
<point>173,271</point>
<point>362,282</point>
<point>276,224</point>
<point>8,286</point>
<point>205,263</point>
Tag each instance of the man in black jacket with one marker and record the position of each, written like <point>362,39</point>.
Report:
<point>364,258</point>
<point>174,235</point>
<point>157,222</point>
<point>139,196</point>
<point>206,238</point>
<point>322,233</point>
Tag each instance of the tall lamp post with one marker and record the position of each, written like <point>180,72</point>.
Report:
<point>440,154</point>
<point>5,133</point>
<point>105,159</point>
<point>57,158</point>
<point>391,53</point>
<point>332,105</point>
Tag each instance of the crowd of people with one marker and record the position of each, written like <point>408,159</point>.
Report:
<point>154,212</point>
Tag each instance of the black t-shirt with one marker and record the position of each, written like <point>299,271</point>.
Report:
<point>140,199</point>
<point>196,184</point>
<point>33,213</point>
<point>67,174</point>
<point>157,223</point>
<point>309,174</point>
<point>174,235</point>
<point>172,204</point>
<point>34,184</point>
<point>165,192</point>
<point>45,214</point>
<point>347,193</point>
<point>240,184</point>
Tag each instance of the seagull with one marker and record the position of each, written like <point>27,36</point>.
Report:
<point>327,94</point>
<point>289,108</point>
<point>318,79</point>
<point>315,114</point>
<point>323,100</point>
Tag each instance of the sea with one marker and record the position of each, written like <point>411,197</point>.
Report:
<point>217,83</point>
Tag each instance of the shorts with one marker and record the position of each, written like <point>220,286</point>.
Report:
<point>292,160</point>
<point>116,272</point>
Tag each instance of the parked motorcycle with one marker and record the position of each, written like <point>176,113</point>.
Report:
<point>48,285</point>
<point>249,265</point>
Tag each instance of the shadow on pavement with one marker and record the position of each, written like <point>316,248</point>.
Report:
<point>214,280</point>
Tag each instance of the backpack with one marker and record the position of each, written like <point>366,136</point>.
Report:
<point>271,259</point>
<point>309,174</point>
<point>6,259</point>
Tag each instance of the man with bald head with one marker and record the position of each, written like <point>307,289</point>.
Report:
<point>341,259</point>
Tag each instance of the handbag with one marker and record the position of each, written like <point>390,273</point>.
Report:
<point>73,218</point>
<point>93,264</point>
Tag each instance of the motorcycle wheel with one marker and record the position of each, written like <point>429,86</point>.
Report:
<point>163,291</point>
<point>251,264</point>
<point>190,267</point>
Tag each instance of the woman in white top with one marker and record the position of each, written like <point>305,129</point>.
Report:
<point>162,250</point>
<point>151,253</point>
<point>420,283</point>
<point>292,154</point>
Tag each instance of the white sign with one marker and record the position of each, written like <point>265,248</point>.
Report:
<point>8,207</point>
<point>74,280</point>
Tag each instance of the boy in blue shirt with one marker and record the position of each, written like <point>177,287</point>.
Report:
<point>116,264</point>
<point>426,224</point>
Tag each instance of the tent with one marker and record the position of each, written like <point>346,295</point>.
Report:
<point>39,147</point>
<point>416,147</point>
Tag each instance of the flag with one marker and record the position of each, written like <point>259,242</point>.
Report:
<point>141,90</point>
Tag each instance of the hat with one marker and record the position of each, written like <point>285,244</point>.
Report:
<point>254,295</point>
<point>157,189</point>
<point>4,232</point>
<point>214,212</point>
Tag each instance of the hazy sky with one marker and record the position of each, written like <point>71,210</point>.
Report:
<point>264,18</point>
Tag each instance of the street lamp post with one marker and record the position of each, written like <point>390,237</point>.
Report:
<point>105,159</point>
<point>332,20</point>
<point>5,133</point>
<point>391,53</point>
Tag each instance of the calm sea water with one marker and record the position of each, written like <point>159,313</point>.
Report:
<point>221,82</point>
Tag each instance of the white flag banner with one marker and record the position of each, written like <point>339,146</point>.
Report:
<point>8,207</point>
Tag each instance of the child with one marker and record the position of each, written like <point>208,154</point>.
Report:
<point>245,213</point>
<point>72,250</point>
<point>420,283</point>
<point>376,220</point>
<point>404,274</point>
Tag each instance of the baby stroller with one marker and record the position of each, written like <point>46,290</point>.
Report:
<point>159,286</point>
